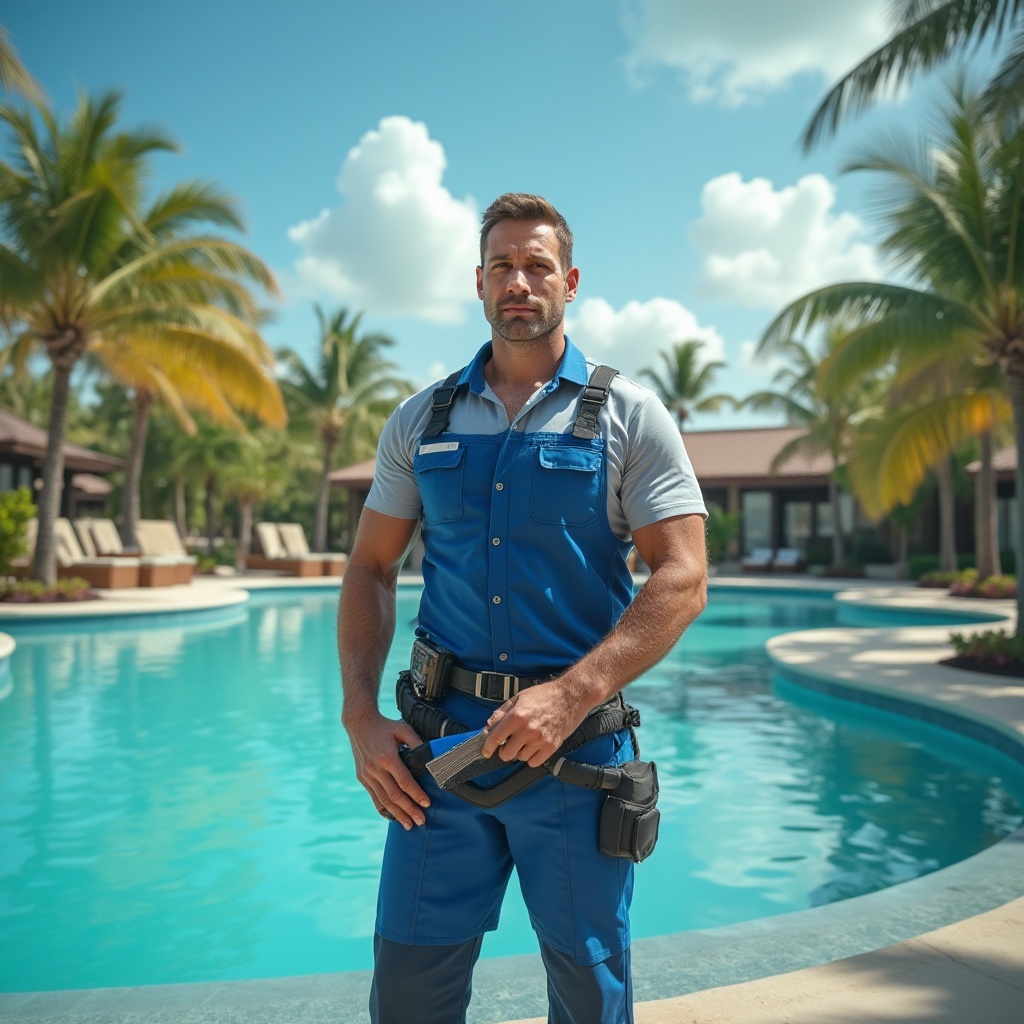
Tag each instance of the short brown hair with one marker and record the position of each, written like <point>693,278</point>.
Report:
<point>523,206</point>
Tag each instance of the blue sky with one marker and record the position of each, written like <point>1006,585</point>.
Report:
<point>364,139</point>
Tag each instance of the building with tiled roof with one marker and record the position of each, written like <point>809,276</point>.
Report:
<point>22,450</point>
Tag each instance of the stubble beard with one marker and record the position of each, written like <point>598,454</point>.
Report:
<point>526,329</point>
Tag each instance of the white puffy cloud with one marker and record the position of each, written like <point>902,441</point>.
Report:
<point>400,243</point>
<point>630,338</point>
<point>764,247</point>
<point>733,50</point>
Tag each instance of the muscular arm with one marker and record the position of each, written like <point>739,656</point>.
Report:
<point>366,627</point>
<point>535,723</point>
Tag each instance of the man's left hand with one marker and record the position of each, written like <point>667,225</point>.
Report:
<point>533,724</point>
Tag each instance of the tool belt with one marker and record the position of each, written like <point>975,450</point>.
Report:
<point>629,816</point>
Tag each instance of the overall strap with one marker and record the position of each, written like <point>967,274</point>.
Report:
<point>441,404</point>
<point>595,394</point>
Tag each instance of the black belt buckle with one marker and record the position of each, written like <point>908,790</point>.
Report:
<point>429,667</point>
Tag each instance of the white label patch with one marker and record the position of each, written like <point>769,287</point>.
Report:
<point>439,446</point>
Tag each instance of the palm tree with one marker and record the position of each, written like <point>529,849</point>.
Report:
<point>929,31</point>
<point>352,391</point>
<point>684,382</point>
<point>83,263</point>
<point>826,420</point>
<point>258,471</point>
<point>929,415</point>
<point>228,377</point>
<point>953,208</point>
<point>206,460</point>
<point>14,76</point>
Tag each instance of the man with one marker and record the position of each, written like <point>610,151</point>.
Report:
<point>530,500</point>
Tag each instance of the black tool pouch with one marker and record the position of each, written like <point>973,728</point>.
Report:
<point>630,817</point>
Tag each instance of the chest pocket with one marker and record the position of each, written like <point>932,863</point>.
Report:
<point>566,486</point>
<point>439,477</point>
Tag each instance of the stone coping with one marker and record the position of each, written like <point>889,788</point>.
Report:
<point>891,668</point>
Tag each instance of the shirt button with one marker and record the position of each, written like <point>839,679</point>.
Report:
<point>515,426</point>
<point>496,541</point>
<point>496,599</point>
<point>502,657</point>
<point>499,487</point>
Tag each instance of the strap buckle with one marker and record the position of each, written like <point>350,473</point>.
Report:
<point>443,397</point>
<point>509,685</point>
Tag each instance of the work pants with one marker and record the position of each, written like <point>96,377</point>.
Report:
<point>433,985</point>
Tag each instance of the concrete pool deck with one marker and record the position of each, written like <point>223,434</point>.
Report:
<point>947,947</point>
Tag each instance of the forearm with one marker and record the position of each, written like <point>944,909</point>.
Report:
<point>673,596</point>
<point>366,628</point>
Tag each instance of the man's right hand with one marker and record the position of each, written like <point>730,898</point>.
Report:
<point>379,768</point>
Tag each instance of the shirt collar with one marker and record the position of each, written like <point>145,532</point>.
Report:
<point>573,367</point>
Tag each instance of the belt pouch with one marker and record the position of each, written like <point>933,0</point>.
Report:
<point>429,668</point>
<point>629,816</point>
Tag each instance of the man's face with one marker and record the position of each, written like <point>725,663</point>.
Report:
<point>522,283</point>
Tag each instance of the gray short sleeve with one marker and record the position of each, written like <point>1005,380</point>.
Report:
<point>394,491</point>
<point>650,477</point>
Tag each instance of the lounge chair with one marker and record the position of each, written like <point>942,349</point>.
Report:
<point>759,560</point>
<point>276,557</point>
<point>160,537</point>
<point>788,560</point>
<point>154,570</point>
<point>101,573</point>
<point>293,537</point>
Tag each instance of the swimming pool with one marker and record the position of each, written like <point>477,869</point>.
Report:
<point>177,802</point>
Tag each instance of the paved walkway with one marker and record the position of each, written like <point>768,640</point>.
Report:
<point>967,972</point>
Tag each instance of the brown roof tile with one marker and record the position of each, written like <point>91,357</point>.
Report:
<point>729,456</point>
<point>22,438</point>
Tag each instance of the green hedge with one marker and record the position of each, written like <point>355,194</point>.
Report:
<point>918,565</point>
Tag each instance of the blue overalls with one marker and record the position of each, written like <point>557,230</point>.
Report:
<point>522,574</point>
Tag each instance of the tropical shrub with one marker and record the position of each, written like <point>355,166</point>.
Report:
<point>993,650</point>
<point>938,579</point>
<point>998,586</point>
<point>963,583</point>
<point>72,588</point>
<point>16,509</point>
<point>920,564</point>
<point>968,585</point>
<point>721,528</point>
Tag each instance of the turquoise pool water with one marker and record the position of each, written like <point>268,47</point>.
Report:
<point>177,801</point>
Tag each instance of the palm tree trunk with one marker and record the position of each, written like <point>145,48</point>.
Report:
<point>947,518</point>
<point>209,487</point>
<point>986,527</point>
<point>244,532</point>
<point>323,498</point>
<point>903,546</point>
<point>1015,384</point>
<point>838,541</point>
<point>131,507</point>
<point>179,506</point>
<point>44,563</point>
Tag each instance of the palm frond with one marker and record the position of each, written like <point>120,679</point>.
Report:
<point>892,454</point>
<point>14,76</point>
<point>925,329</point>
<point>920,45</point>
